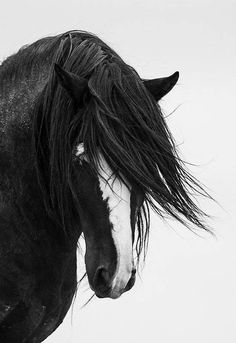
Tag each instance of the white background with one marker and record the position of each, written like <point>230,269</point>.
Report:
<point>187,290</point>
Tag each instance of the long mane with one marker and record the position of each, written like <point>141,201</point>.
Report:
<point>121,119</point>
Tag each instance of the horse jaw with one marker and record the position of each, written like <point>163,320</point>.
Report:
<point>117,195</point>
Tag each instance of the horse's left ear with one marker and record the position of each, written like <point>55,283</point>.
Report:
<point>160,87</point>
<point>75,86</point>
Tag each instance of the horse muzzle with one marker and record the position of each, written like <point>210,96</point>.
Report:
<point>102,284</point>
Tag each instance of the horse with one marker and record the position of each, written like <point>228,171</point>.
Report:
<point>84,149</point>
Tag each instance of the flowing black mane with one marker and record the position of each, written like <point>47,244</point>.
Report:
<point>119,117</point>
<point>50,194</point>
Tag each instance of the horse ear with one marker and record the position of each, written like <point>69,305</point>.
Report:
<point>160,87</point>
<point>75,86</point>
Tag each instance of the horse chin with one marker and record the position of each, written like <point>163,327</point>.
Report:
<point>111,295</point>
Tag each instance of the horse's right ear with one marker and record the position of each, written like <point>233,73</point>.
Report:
<point>75,86</point>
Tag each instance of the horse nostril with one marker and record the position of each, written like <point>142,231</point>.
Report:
<point>101,278</point>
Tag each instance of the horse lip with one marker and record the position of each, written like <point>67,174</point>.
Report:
<point>103,292</point>
<point>114,294</point>
<point>108,292</point>
<point>111,293</point>
<point>102,295</point>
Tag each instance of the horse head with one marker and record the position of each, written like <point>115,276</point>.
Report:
<point>107,203</point>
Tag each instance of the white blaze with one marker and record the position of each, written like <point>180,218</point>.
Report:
<point>117,195</point>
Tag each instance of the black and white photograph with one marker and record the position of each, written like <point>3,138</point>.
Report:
<point>117,171</point>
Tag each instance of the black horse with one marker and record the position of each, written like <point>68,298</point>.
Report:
<point>84,148</point>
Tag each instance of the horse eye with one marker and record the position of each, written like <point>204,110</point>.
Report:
<point>79,153</point>
<point>80,150</point>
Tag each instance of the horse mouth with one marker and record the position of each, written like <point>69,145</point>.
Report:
<point>103,293</point>
<point>116,293</point>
